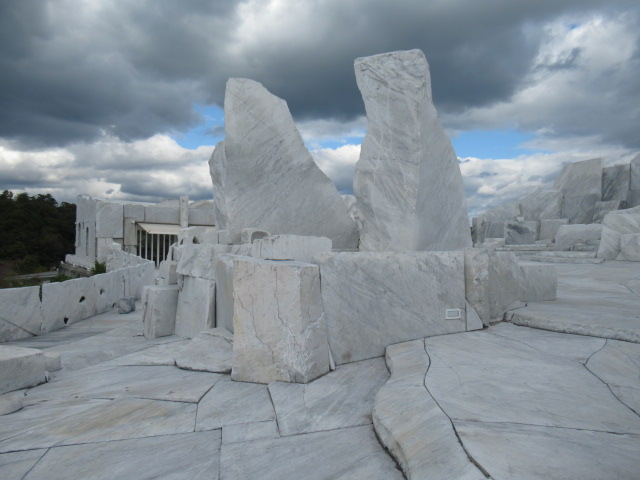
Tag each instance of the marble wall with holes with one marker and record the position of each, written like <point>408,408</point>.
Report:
<point>30,311</point>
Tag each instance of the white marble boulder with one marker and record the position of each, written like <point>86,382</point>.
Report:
<point>569,235</point>
<point>633,198</point>
<point>210,351</point>
<point>20,368</point>
<point>541,204</point>
<point>160,308</point>
<point>521,233</point>
<point>614,225</point>
<point>279,323</point>
<point>374,299</point>
<point>581,185</point>
<point>407,183</point>
<point>196,306</point>
<point>264,177</point>
<point>290,247</point>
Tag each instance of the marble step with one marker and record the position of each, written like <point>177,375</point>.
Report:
<point>563,259</point>
<point>524,248</point>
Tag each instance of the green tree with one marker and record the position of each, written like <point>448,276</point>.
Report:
<point>35,227</point>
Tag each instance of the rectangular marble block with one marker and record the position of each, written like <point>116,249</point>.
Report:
<point>20,313</point>
<point>20,368</point>
<point>160,307</point>
<point>224,291</point>
<point>375,299</point>
<point>290,247</point>
<point>200,260</point>
<point>68,302</point>
<point>521,233</point>
<point>196,306</point>
<point>549,227</point>
<point>167,274</point>
<point>540,282</point>
<point>568,235</point>
<point>579,209</point>
<point>506,283</point>
<point>476,281</point>
<point>279,323</point>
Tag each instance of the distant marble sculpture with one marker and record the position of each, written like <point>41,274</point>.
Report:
<point>408,183</point>
<point>581,184</point>
<point>633,199</point>
<point>264,177</point>
<point>583,193</point>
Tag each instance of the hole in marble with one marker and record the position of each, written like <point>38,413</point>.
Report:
<point>102,291</point>
<point>82,299</point>
<point>66,320</point>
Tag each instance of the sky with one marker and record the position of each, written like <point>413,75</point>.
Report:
<point>123,99</point>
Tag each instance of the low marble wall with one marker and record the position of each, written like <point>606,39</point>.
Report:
<point>31,311</point>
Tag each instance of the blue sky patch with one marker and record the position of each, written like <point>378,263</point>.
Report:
<point>209,132</point>
<point>492,143</point>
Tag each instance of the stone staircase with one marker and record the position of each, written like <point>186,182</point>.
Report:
<point>581,253</point>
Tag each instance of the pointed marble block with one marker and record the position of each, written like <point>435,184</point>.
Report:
<point>408,183</point>
<point>264,177</point>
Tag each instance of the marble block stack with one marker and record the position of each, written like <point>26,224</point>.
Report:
<point>306,280</point>
<point>583,194</point>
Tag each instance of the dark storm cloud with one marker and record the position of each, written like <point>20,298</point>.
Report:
<point>76,71</point>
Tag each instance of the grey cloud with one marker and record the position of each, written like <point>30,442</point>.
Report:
<point>135,68</point>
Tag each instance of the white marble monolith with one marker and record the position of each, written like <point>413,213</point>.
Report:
<point>633,197</point>
<point>264,177</point>
<point>407,183</point>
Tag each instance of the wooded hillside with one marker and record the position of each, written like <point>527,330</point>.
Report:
<point>35,231</point>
